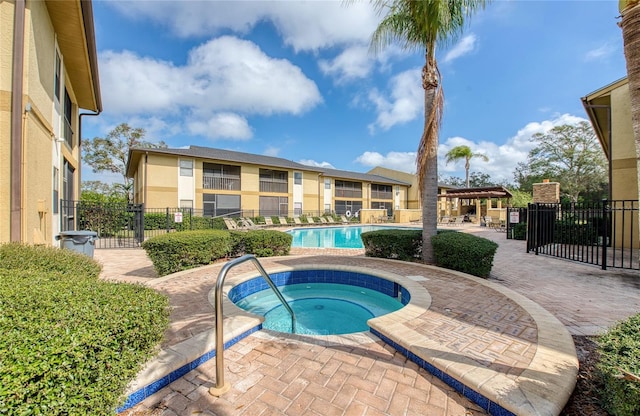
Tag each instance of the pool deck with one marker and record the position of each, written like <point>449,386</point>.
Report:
<point>504,342</point>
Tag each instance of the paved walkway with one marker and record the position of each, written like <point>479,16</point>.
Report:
<point>278,374</point>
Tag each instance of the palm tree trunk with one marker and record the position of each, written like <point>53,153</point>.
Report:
<point>428,156</point>
<point>630,25</point>
<point>467,165</point>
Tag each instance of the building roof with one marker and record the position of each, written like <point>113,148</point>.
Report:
<point>75,34</point>
<point>250,158</point>
<point>598,107</point>
<point>473,193</point>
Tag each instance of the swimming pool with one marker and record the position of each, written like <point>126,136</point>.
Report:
<point>320,308</point>
<point>334,237</point>
<point>325,301</point>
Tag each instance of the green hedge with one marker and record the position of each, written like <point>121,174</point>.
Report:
<point>158,221</point>
<point>261,243</point>
<point>70,342</point>
<point>464,252</point>
<point>393,244</point>
<point>174,252</point>
<point>619,351</point>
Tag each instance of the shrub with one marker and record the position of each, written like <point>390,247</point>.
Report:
<point>70,343</point>
<point>393,244</point>
<point>262,243</point>
<point>464,252</point>
<point>619,351</point>
<point>519,231</point>
<point>174,252</point>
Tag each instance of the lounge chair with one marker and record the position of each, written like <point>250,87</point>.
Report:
<point>248,223</point>
<point>296,221</point>
<point>283,221</point>
<point>444,220</point>
<point>310,220</point>
<point>330,220</point>
<point>457,221</point>
<point>344,219</point>
<point>322,220</point>
<point>231,224</point>
<point>268,221</point>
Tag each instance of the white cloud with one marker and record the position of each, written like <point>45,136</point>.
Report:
<point>402,161</point>
<point>503,158</point>
<point>600,53</point>
<point>225,75</point>
<point>310,162</point>
<point>306,26</point>
<point>466,45</point>
<point>353,63</point>
<point>404,104</point>
<point>222,125</point>
<point>271,151</point>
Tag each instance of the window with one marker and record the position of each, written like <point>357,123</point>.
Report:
<point>352,206</point>
<point>273,181</point>
<point>327,183</point>
<point>56,77</point>
<point>56,189</point>
<point>68,107</point>
<point>186,203</point>
<point>186,167</point>
<point>348,189</point>
<point>297,208</point>
<point>327,208</point>
<point>297,178</point>
<point>216,205</point>
<point>217,176</point>
<point>274,206</point>
<point>381,191</point>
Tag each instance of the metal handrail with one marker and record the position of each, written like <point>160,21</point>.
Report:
<point>221,387</point>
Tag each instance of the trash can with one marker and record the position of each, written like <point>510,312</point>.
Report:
<point>80,241</point>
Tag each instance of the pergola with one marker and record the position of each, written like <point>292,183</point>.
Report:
<point>477,194</point>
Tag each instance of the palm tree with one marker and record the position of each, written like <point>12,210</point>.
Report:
<point>464,152</point>
<point>421,25</point>
<point>630,24</point>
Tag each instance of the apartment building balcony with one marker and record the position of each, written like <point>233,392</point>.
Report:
<point>221,183</point>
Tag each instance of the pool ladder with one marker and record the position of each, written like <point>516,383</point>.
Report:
<point>222,387</point>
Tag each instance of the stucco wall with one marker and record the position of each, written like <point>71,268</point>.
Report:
<point>624,165</point>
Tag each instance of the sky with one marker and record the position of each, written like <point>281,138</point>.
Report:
<point>298,79</point>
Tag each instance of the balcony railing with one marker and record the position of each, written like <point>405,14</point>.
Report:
<point>348,193</point>
<point>229,184</point>
<point>274,186</point>
<point>381,194</point>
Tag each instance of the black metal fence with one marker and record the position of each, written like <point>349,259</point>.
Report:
<point>117,225</point>
<point>128,225</point>
<point>603,234</point>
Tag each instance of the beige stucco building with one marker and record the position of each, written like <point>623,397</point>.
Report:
<point>609,110</point>
<point>48,73</point>
<point>222,182</point>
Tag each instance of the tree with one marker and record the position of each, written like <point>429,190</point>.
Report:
<point>568,154</point>
<point>422,25</point>
<point>110,154</point>
<point>452,181</point>
<point>480,180</point>
<point>630,24</point>
<point>464,152</point>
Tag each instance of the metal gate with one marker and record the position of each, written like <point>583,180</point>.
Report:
<point>118,225</point>
<point>603,233</point>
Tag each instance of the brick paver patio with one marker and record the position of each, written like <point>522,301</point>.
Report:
<point>273,373</point>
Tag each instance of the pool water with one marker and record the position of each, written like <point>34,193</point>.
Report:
<point>320,308</point>
<point>333,237</point>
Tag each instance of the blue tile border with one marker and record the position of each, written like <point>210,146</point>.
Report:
<point>141,394</point>
<point>257,284</point>
<point>292,277</point>
<point>486,404</point>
